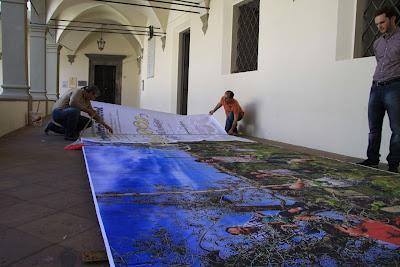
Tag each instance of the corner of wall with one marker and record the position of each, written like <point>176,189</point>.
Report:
<point>13,115</point>
<point>346,28</point>
<point>227,24</point>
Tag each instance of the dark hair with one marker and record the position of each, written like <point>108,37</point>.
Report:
<point>230,94</point>
<point>92,89</point>
<point>388,11</point>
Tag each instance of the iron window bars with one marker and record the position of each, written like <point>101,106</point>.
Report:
<point>247,37</point>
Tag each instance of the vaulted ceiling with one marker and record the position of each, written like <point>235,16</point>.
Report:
<point>102,12</point>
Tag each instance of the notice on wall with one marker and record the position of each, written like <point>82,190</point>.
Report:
<point>133,125</point>
<point>64,84</point>
<point>82,83</point>
<point>73,82</point>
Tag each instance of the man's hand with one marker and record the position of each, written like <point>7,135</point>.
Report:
<point>215,109</point>
<point>230,132</point>
<point>108,128</point>
<point>92,113</point>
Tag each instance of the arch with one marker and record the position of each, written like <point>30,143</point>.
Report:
<point>100,14</point>
<point>57,9</point>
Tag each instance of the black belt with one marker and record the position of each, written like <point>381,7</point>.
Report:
<point>384,83</point>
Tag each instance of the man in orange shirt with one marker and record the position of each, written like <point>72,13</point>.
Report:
<point>233,111</point>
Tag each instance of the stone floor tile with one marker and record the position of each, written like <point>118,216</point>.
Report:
<point>23,213</point>
<point>50,257</point>
<point>8,183</point>
<point>58,227</point>
<point>85,210</point>
<point>8,201</point>
<point>3,227</point>
<point>30,192</point>
<point>90,240</point>
<point>56,256</point>
<point>62,200</point>
<point>15,245</point>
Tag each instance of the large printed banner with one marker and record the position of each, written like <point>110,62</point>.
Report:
<point>241,204</point>
<point>133,125</point>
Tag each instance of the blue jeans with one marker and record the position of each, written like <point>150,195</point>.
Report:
<point>71,120</point>
<point>229,121</point>
<point>384,99</point>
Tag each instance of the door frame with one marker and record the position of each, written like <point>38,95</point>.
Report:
<point>111,60</point>
<point>179,109</point>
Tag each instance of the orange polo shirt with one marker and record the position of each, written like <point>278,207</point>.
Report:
<point>231,107</point>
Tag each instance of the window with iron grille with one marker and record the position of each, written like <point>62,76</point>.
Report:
<point>370,32</point>
<point>246,17</point>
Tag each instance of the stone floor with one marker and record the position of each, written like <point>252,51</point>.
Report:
<point>47,217</point>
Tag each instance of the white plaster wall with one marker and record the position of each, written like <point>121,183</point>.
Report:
<point>14,116</point>
<point>115,45</point>
<point>156,92</point>
<point>300,94</point>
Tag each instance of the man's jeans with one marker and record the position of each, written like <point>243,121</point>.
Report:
<point>71,120</point>
<point>229,121</point>
<point>381,99</point>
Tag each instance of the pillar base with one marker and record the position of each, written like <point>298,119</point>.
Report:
<point>15,92</point>
<point>52,97</point>
<point>38,96</point>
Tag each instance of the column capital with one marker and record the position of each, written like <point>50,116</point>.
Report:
<point>38,28</point>
<point>54,48</point>
<point>37,31</point>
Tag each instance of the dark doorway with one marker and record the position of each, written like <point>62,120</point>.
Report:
<point>98,64</point>
<point>104,78</point>
<point>183,76</point>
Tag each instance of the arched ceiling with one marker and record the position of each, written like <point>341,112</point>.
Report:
<point>100,14</point>
<point>72,8</point>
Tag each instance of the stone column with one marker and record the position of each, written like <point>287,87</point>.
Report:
<point>52,67</point>
<point>15,61</point>
<point>38,50</point>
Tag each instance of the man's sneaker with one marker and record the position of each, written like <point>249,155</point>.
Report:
<point>394,168</point>
<point>54,127</point>
<point>369,163</point>
<point>71,138</point>
<point>46,131</point>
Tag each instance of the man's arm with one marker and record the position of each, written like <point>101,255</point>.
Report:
<point>99,119</point>
<point>102,122</point>
<point>76,101</point>
<point>108,127</point>
<point>216,108</point>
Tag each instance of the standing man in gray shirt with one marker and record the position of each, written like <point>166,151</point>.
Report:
<point>385,90</point>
